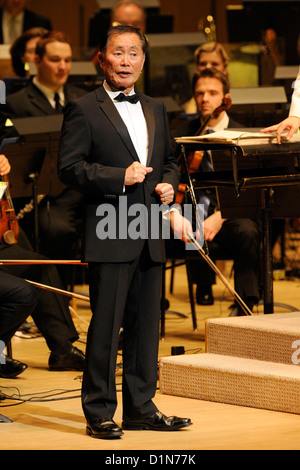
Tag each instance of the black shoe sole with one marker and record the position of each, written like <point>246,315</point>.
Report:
<point>149,427</point>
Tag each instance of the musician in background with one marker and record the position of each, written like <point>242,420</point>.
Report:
<point>18,299</point>
<point>15,18</point>
<point>50,311</point>
<point>126,12</point>
<point>208,55</point>
<point>292,122</point>
<point>46,95</point>
<point>237,237</point>
<point>22,51</point>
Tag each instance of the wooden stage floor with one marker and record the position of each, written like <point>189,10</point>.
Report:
<point>47,413</point>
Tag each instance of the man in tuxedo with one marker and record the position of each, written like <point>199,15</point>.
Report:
<point>46,95</point>
<point>15,19</point>
<point>118,153</point>
<point>237,237</point>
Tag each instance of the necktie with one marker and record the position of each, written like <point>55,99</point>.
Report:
<point>58,106</point>
<point>130,98</point>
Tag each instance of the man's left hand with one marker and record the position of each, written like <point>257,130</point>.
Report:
<point>165,192</point>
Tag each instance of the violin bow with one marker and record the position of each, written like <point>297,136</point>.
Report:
<point>59,291</point>
<point>9,262</point>
<point>219,274</point>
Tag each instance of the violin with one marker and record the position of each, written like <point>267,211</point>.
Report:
<point>9,226</point>
<point>195,158</point>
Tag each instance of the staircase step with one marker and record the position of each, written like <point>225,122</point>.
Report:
<point>232,380</point>
<point>263,337</point>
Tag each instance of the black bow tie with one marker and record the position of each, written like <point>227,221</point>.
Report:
<point>131,98</point>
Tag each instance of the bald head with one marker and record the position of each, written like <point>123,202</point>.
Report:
<point>129,13</point>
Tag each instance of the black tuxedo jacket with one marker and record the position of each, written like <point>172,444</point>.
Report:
<point>95,151</point>
<point>30,101</point>
<point>31,20</point>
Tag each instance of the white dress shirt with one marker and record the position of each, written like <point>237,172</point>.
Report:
<point>12,27</point>
<point>295,104</point>
<point>134,119</point>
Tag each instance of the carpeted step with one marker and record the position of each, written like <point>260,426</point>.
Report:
<point>232,380</point>
<point>274,337</point>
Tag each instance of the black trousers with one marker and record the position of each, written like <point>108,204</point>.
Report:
<point>51,314</point>
<point>18,298</point>
<point>240,240</point>
<point>128,295</point>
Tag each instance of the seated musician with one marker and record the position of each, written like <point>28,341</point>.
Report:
<point>237,237</point>
<point>46,95</point>
<point>49,310</point>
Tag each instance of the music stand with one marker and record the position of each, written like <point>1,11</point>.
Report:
<point>253,181</point>
<point>33,158</point>
<point>254,106</point>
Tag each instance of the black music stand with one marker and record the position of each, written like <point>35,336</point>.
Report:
<point>33,158</point>
<point>254,181</point>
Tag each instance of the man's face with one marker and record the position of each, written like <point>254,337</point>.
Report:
<point>209,95</point>
<point>123,61</point>
<point>14,6</point>
<point>209,60</point>
<point>54,68</point>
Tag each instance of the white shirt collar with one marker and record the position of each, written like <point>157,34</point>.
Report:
<point>113,94</point>
<point>49,93</point>
<point>220,126</point>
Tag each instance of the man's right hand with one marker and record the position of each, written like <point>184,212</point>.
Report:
<point>136,173</point>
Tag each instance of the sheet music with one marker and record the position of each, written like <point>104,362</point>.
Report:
<point>237,138</point>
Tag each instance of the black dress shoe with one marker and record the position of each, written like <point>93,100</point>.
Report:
<point>204,295</point>
<point>157,422</point>
<point>104,428</point>
<point>11,368</point>
<point>73,360</point>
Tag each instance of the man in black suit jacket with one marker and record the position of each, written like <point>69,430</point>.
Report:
<point>26,19</point>
<point>47,94</point>
<point>119,155</point>
<point>239,238</point>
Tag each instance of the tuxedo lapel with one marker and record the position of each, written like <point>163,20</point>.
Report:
<point>112,114</point>
<point>38,100</point>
